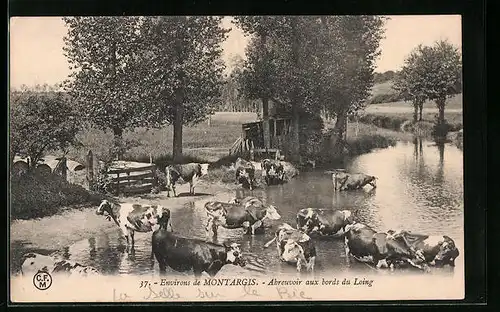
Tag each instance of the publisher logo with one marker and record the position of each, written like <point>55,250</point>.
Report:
<point>42,280</point>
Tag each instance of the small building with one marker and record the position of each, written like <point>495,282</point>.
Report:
<point>252,141</point>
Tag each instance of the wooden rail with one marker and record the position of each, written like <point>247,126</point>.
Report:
<point>133,180</point>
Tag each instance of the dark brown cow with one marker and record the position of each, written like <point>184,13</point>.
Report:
<point>185,254</point>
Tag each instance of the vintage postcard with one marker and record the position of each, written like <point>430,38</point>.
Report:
<point>236,158</point>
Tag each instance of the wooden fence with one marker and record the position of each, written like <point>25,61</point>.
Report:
<point>126,178</point>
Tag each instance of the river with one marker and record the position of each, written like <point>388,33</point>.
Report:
<point>419,188</point>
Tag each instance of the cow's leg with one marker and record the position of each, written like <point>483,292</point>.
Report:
<point>173,190</point>
<point>382,263</point>
<point>299,265</point>
<point>207,227</point>
<point>215,227</point>
<point>162,265</point>
<point>310,264</point>
<point>131,233</point>
<point>347,250</point>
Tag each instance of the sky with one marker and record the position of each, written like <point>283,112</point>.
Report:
<point>36,55</point>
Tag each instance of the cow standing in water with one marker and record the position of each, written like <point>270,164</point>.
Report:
<point>248,213</point>
<point>343,181</point>
<point>325,222</point>
<point>383,250</point>
<point>294,247</point>
<point>273,171</point>
<point>190,172</point>
<point>132,218</point>
<point>438,250</point>
<point>245,173</point>
<point>185,254</point>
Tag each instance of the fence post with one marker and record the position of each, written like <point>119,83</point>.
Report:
<point>62,168</point>
<point>90,170</point>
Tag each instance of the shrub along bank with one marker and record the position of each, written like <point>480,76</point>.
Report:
<point>36,196</point>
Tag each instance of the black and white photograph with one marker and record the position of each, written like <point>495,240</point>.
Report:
<point>236,158</point>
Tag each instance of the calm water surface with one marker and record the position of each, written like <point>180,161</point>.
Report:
<point>419,188</point>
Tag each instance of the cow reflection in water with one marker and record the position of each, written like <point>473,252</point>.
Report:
<point>248,213</point>
<point>381,249</point>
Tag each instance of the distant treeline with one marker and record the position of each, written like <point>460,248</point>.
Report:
<point>232,101</point>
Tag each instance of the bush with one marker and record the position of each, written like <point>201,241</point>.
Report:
<point>34,196</point>
<point>441,130</point>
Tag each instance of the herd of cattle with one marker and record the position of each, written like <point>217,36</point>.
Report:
<point>295,245</point>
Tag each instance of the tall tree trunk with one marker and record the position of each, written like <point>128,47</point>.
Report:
<point>177,142</point>
<point>118,143</point>
<point>338,133</point>
<point>440,104</point>
<point>421,108</point>
<point>415,112</point>
<point>265,122</point>
<point>295,135</point>
<point>295,142</point>
<point>265,98</point>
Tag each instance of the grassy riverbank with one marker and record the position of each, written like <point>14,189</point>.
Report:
<point>35,197</point>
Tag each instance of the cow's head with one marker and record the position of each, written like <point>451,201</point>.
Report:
<point>243,177</point>
<point>204,169</point>
<point>348,218</point>
<point>310,220</point>
<point>448,252</point>
<point>33,263</point>
<point>293,253</point>
<point>164,220</point>
<point>105,206</point>
<point>233,254</point>
<point>272,213</point>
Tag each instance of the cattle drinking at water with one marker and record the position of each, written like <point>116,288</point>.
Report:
<point>273,171</point>
<point>248,213</point>
<point>184,254</point>
<point>325,222</point>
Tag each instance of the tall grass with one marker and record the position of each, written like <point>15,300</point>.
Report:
<point>200,141</point>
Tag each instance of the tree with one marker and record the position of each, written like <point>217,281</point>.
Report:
<point>258,77</point>
<point>41,119</point>
<point>348,50</point>
<point>435,73</point>
<point>105,85</point>
<point>408,85</point>
<point>182,70</point>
